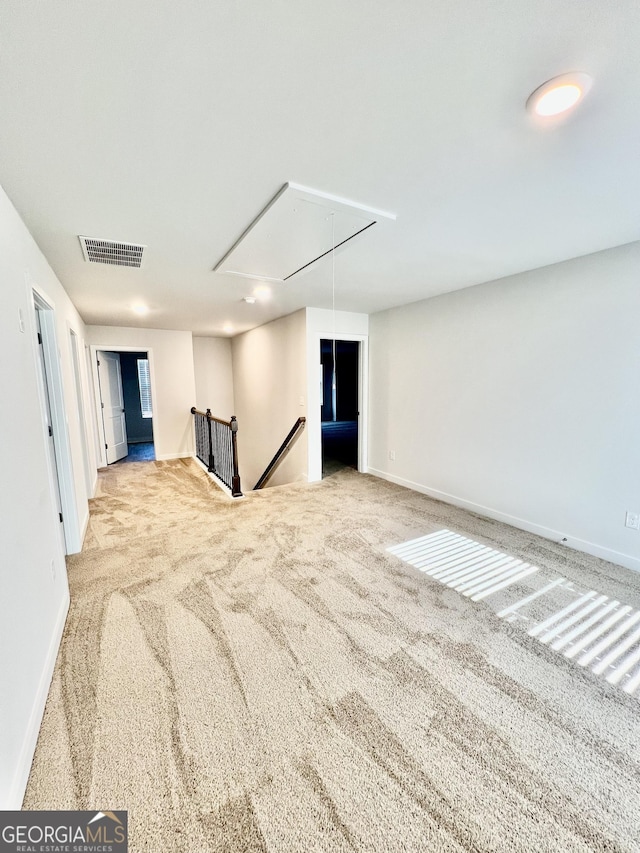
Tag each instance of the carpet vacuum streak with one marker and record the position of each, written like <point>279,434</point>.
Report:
<point>260,675</point>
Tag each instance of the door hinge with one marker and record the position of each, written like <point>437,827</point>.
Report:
<point>102,404</point>
<point>98,362</point>
<point>50,430</point>
<point>60,514</point>
<point>39,338</point>
<point>106,446</point>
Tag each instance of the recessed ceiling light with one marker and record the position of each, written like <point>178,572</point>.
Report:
<point>559,94</point>
<point>139,308</point>
<point>228,328</point>
<point>262,291</point>
<point>249,299</point>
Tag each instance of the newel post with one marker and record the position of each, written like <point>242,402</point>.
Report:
<point>212,466</point>
<point>235,481</point>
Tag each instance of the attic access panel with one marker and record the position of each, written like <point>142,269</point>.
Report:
<point>296,228</point>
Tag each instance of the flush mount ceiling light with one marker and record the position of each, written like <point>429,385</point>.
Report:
<point>559,94</point>
<point>262,291</point>
<point>249,299</point>
<point>140,309</point>
<point>228,328</point>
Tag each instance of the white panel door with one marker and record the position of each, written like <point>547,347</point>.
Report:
<point>115,429</point>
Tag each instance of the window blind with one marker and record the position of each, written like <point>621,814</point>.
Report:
<point>144,382</point>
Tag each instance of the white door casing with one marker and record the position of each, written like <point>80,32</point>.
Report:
<point>74,345</point>
<point>47,357</point>
<point>51,444</point>
<point>112,399</point>
<point>314,401</point>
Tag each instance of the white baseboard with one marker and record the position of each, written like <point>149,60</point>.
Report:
<point>21,773</point>
<point>83,527</point>
<point>592,548</point>
<point>163,457</point>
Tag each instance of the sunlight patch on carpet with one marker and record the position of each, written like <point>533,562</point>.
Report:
<point>586,627</point>
<point>599,632</point>
<point>467,566</point>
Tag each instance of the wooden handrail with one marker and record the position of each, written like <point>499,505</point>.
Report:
<point>210,417</point>
<point>268,471</point>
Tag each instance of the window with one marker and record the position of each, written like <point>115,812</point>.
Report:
<point>145,387</point>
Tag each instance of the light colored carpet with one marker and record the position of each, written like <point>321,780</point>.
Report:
<point>260,675</point>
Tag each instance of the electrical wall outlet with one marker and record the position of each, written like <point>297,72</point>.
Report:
<point>392,456</point>
<point>632,520</point>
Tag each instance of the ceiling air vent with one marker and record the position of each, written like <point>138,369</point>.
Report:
<point>109,252</point>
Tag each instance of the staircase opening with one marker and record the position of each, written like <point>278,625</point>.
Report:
<point>281,452</point>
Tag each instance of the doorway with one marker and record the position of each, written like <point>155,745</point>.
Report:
<point>124,386</point>
<point>340,391</point>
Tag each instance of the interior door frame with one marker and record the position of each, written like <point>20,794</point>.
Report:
<point>55,386</point>
<point>75,343</point>
<point>314,401</point>
<point>102,461</point>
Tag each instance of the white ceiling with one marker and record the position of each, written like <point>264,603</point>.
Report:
<point>173,125</point>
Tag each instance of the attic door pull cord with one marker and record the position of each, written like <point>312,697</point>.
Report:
<point>334,386</point>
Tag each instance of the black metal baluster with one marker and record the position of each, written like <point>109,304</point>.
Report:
<point>216,447</point>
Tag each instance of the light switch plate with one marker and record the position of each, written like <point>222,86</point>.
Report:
<point>632,520</point>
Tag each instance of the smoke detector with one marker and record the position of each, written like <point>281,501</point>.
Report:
<point>110,252</point>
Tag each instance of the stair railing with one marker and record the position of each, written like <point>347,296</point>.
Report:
<point>216,447</point>
<point>268,471</point>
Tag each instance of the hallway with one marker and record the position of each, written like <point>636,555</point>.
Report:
<point>262,675</point>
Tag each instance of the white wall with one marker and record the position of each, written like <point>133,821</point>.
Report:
<point>520,399</point>
<point>33,604</point>
<point>343,325</point>
<point>270,387</point>
<point>173,382</point>
<point>213,376</point>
